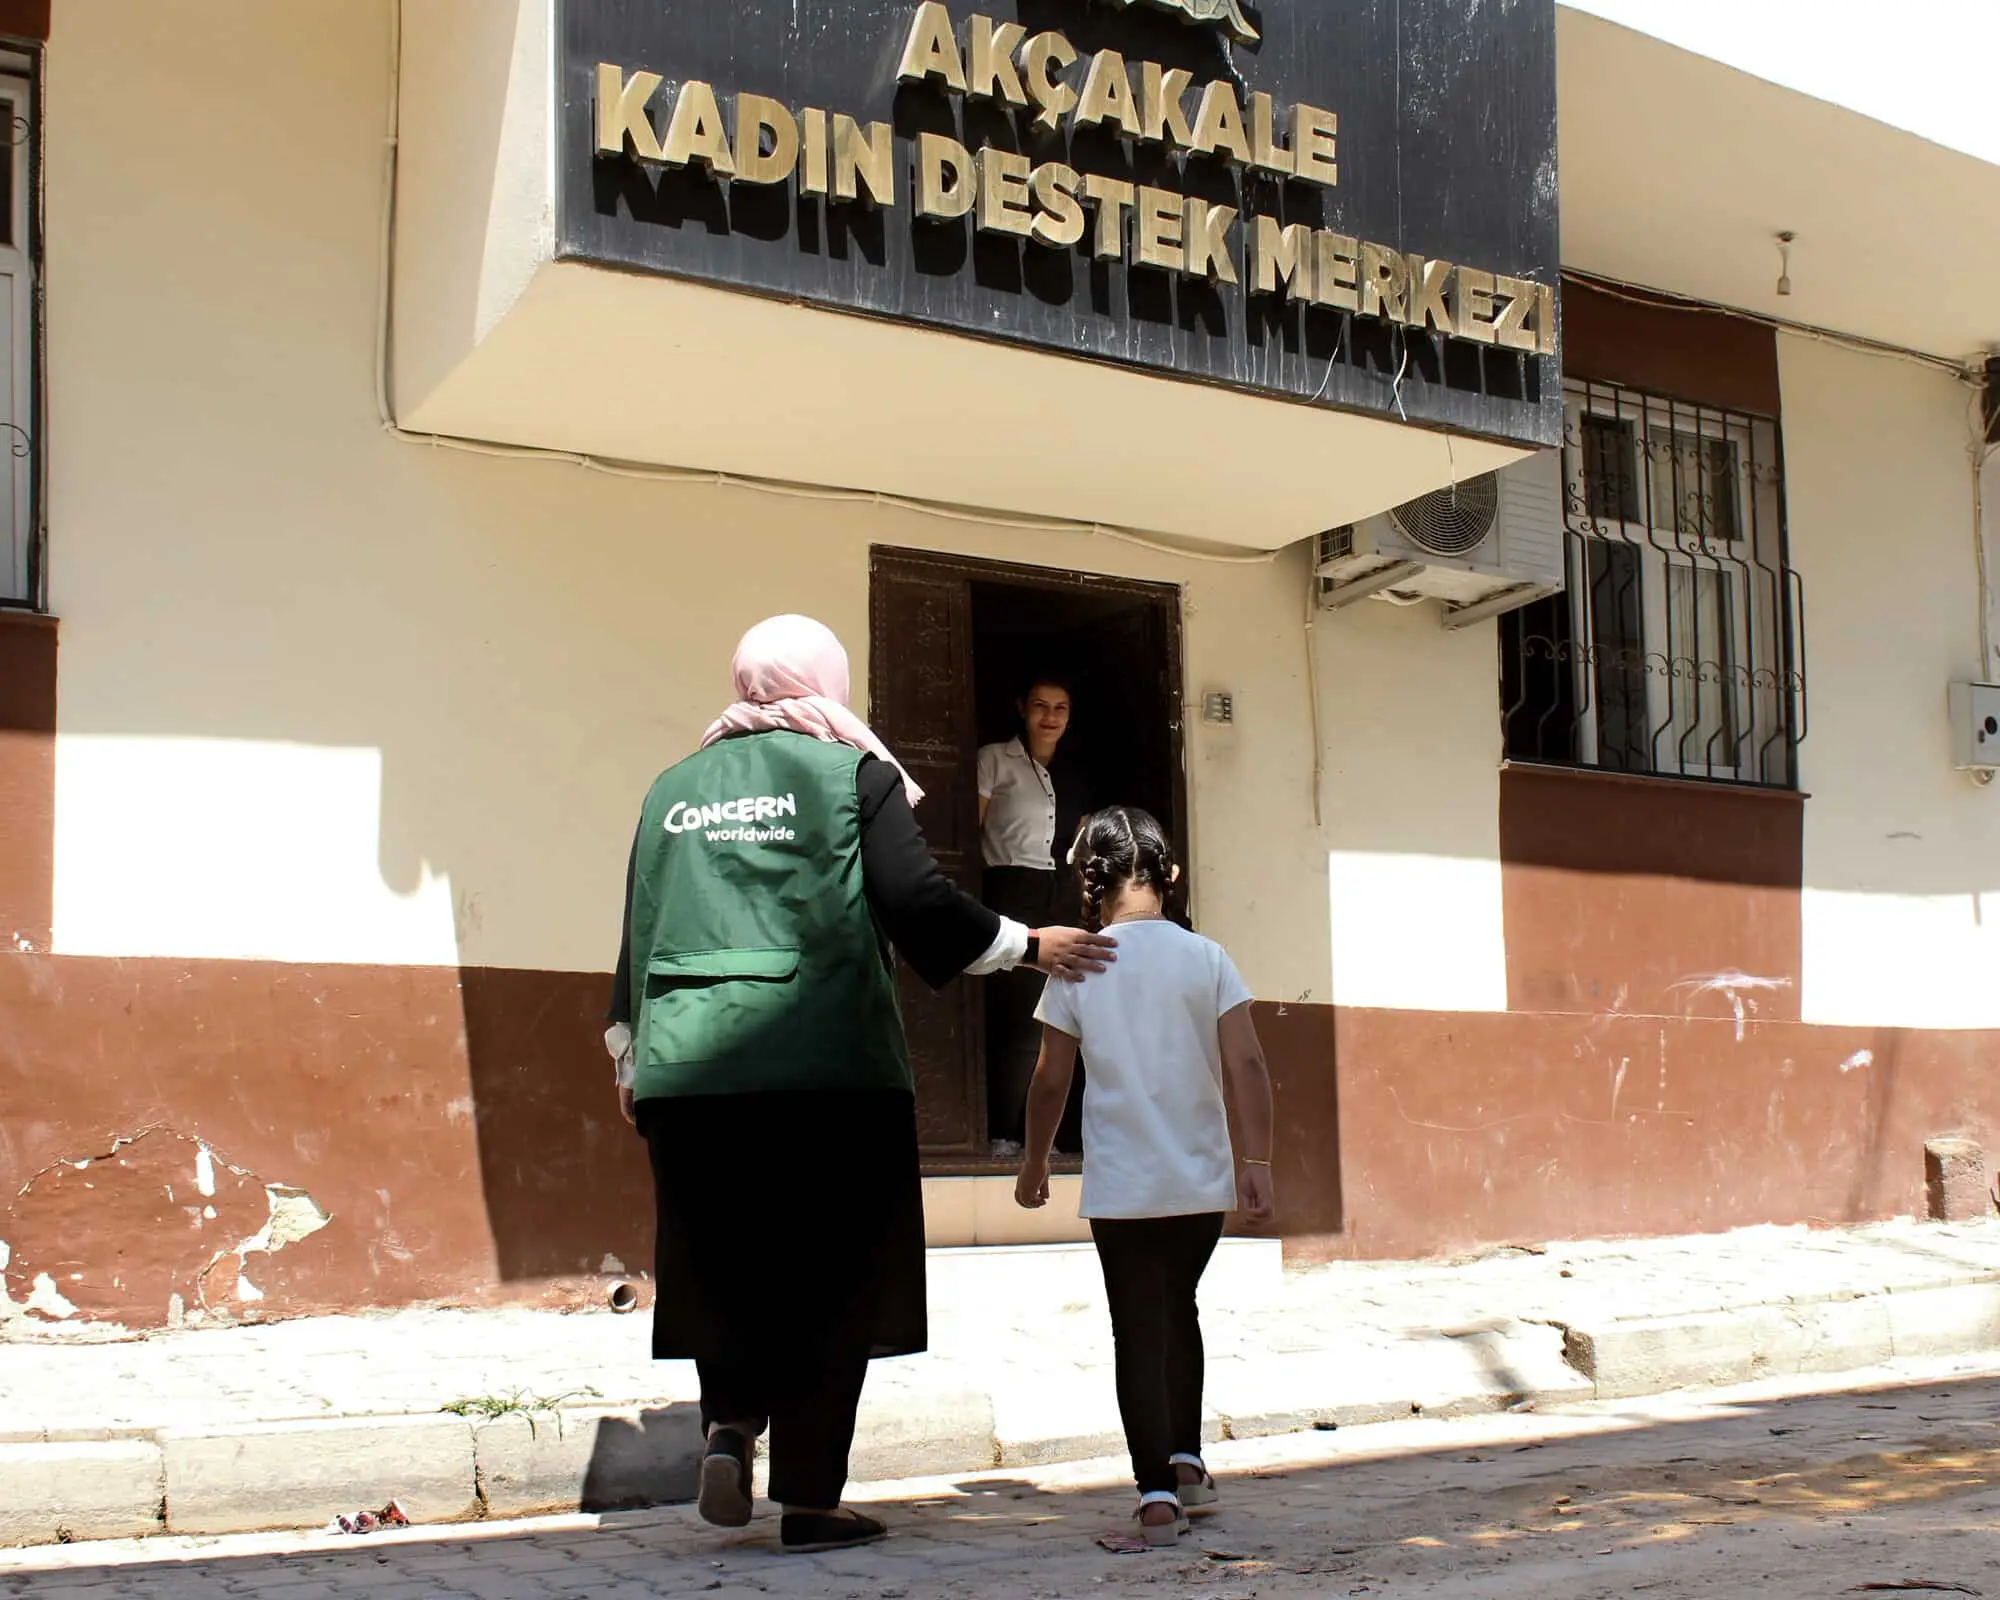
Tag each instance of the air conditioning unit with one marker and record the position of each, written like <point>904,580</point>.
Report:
<point>1479,548</point>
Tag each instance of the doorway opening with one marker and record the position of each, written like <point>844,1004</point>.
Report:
<point>952,643</point>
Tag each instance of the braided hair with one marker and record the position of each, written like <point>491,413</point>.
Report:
<point>1117,846</point>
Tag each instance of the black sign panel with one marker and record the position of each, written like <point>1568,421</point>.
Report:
<point>1347,202</point>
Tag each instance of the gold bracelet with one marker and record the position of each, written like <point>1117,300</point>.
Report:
<point>1251,1161</point>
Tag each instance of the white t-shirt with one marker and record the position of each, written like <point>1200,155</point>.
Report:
<point>1020,826</point>
<point>1155,1127</point>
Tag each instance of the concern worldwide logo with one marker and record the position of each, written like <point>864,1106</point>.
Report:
<point>1228,14</point>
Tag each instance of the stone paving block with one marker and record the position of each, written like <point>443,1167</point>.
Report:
<point>1066,1414</point>
<point>107,1489</point>
<point>908,1432</point>
<point>1962,1319</point>
<point>1957,1184</point>
<point>1475,1369</point>
<point>300,1474</point>
<point>1652,1355</point>
<point>1295,1393</point>
<point>583,1461</point>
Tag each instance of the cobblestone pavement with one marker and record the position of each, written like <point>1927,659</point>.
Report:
<point>1731,1495</point>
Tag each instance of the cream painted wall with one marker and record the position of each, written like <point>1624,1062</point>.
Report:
<point>475,189</point>
<point>1902,868</point>
<point>1412,725</point>
<point>329,696</point>
<point>1930,73</point>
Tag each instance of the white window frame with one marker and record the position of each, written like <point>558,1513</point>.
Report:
<point>18,341</point>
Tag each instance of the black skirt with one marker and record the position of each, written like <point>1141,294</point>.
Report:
<point>791,1225</point>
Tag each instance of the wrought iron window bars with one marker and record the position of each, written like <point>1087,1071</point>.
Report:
<point>1678,646</point>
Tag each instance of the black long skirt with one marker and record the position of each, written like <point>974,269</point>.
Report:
<point>791,1225</point>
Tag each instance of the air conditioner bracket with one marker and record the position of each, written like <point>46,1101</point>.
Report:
<point>1494,605</point>
<point>1371,583</point>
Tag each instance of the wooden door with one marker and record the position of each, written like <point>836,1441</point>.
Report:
<point>920,700</point>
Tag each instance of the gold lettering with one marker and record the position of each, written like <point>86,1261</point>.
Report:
<point>1060,220</point>
<point>695,132</point>
<point>1003,192</point>
<point>1512,330</point>
<point>1111,196</point>
<point>1043,59</point>
<point>1281,257</point>
<point>931,51</point>
<point>1428,282</point>
<point>1473,303</point>
<point>1545,318</point>
<point>947,181</point>
<point>864,157</point>
<point>1218,129</point>
<point>757,115</point>
<point>1107,94</point>
<point>1337,278</point>
<point>813,172</point>
<point>1266,153</point>
<point>1161,221</point>
<point>993,76</point>
<point>1385,283</point>
<point>1314,140</point>
<point>621,112</point>
<point>1163,118</point>
<point>1208,240</point>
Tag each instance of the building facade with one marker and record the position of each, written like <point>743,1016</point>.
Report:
<point>415,399</point>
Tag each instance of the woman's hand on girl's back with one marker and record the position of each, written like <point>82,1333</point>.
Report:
<point>1031,1189</point>
<point>1073,953</point>
<point>1256,1195</point>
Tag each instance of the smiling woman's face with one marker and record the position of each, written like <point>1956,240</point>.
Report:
<point>1045,718</point>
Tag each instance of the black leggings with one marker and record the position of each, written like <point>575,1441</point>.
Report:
<point>1152,1266</point>
<point>811,1414</point>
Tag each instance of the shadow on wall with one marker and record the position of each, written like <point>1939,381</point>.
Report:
<point>567,1188</point>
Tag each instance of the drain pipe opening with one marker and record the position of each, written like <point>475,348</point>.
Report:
<point>623,1297</point>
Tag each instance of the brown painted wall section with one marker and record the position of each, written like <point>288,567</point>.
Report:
<point>1668,348</point>
<point>27,779</point>
<point>459,1133</point>
<point>1643,895</point>
<point>459,1130</point>
<point>24,19</point>
<point>1460,1130</point>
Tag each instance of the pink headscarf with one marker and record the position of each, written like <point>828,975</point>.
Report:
<point>791,672</point>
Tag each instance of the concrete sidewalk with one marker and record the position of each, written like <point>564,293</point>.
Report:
<point>463,1415</point>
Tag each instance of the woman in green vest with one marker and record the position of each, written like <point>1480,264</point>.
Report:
<point>760,1053</point>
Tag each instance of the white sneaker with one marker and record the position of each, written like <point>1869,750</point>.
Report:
<point>1006,1150</point>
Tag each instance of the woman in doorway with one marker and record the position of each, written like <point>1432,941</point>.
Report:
<point>760,1053</point>
<point>1029,797</point>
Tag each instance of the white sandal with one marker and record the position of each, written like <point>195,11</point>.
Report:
<point>1161,1535</point>
<point>1200,1497</point>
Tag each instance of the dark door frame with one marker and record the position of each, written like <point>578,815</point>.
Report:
<point>1163,598</point>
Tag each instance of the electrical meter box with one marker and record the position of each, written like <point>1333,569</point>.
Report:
<point>1975,726</point>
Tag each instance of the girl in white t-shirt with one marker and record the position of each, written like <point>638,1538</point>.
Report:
<point>1163,1029</point>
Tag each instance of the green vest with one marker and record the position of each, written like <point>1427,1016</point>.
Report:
<point>756,963</point>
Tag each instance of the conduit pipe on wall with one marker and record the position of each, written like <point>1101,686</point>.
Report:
<point>1986,512</point>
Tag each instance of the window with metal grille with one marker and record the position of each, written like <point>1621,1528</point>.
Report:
<point>1678,645</point>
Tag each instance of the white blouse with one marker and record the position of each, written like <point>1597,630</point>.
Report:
<point>1020,826</point>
